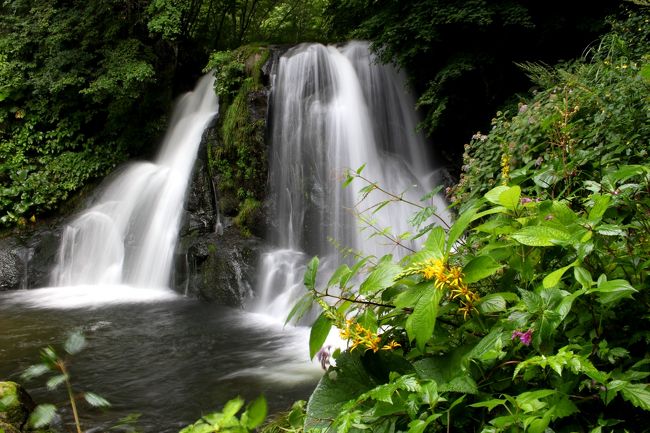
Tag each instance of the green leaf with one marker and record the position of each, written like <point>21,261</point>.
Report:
<point>42,415</point>
<point>256,412</point>
<point>510,197</point>
<point>490,404</point>
<point>422,321</point>
<point>612,291</point>
<point>435,243</point>
<point>345,278</point>
<point>338,274</point>
<point>300,308</point>
<point>552,279</point>
<point>489,347</point>
<point>75,343</point>
<point>601,203</point>
<point>494,194</point>
<point>233,406</point>
<point>457,230</point>
<point>610,230</point>
<point>96,400</point>
<point>319,332</point>
<point>35,371</point>
<point>638,394</point>
<point>541,236</point>
<point>342,384</point>
<point>310,274</point>
<point>381,277</point>
<point>478,268</point>
<point>492,303</point>
<point>583,277</point>
<point>55,381</point>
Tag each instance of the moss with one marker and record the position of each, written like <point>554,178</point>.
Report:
<point>15,404</point>
<point>238,156</point>
<point>249,216</point>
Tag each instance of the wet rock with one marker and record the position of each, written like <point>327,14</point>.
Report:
<point>218,268</point>
<point>16,405</point>
<point>11,267</point>
<point>27,257</point>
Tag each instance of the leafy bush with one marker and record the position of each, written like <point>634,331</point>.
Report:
<point>530,313</point>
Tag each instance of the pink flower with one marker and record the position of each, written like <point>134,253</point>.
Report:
<point>524,337</point>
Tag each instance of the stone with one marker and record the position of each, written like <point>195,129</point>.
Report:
<point>16,404</point>
<point>11,269</point>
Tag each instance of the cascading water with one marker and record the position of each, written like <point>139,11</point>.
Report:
<point>336,109</point>
<point>129,235</point>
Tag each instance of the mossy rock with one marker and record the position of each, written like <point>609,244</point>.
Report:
<point>15,404</point>
<point>8,428</point>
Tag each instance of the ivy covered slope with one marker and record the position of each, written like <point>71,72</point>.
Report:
<point>529,313</point>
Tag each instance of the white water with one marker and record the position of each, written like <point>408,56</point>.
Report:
<point>128,236</point>
<point>336,109</point>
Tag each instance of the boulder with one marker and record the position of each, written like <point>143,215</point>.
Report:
<point>15,405</point>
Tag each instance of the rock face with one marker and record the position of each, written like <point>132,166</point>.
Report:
<point>27,258</point>
<point>214,261</point>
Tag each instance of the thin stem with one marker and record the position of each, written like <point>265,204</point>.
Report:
<point>68,386</point>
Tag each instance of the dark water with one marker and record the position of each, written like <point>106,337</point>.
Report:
<point>168,360</point>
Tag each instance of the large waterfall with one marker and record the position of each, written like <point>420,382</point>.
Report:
<point>335,109</point>
<point>129,234</point>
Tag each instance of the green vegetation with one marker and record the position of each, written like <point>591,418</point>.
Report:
<point>53,363</point>
<point>86,85</point>
<point>529,313</point>
<point>238,158</point>
<point>227,421</point>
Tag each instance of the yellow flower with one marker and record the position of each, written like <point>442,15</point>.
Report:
<point>391,346</point>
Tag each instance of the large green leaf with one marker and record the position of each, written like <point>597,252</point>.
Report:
<point>457,230</point>
<point>381,277</point>
<point>256,412</point>
<point>422,321</point>
<point>612,291</point>
<point>494,194</point>
<point>552,279</point>
<point>638,394</point>
<point>338,386</point>
<point>478,268</point>
<point>509,198</point>
<point>42,415</point>
<point>319,332</point>
<point>541,236</point>
<point>435,243</point>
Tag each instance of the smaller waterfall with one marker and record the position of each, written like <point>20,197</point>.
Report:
<point>129,234</point>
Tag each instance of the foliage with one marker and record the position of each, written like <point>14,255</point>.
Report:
<point>238,159</point>
<point>460,54</point>
<point>530,313</point>
<point>53,363</point>
<point>69,77</point>
<point>227,420</point>
<point>589,116</point>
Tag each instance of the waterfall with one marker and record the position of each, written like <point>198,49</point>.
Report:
<point>336,109</point>
<point>129,234</point>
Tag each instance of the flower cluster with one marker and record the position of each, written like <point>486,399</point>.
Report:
<point>505,169</point>
<point>362,337</point>
<point>524,337</point>
<point>445,276</point>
